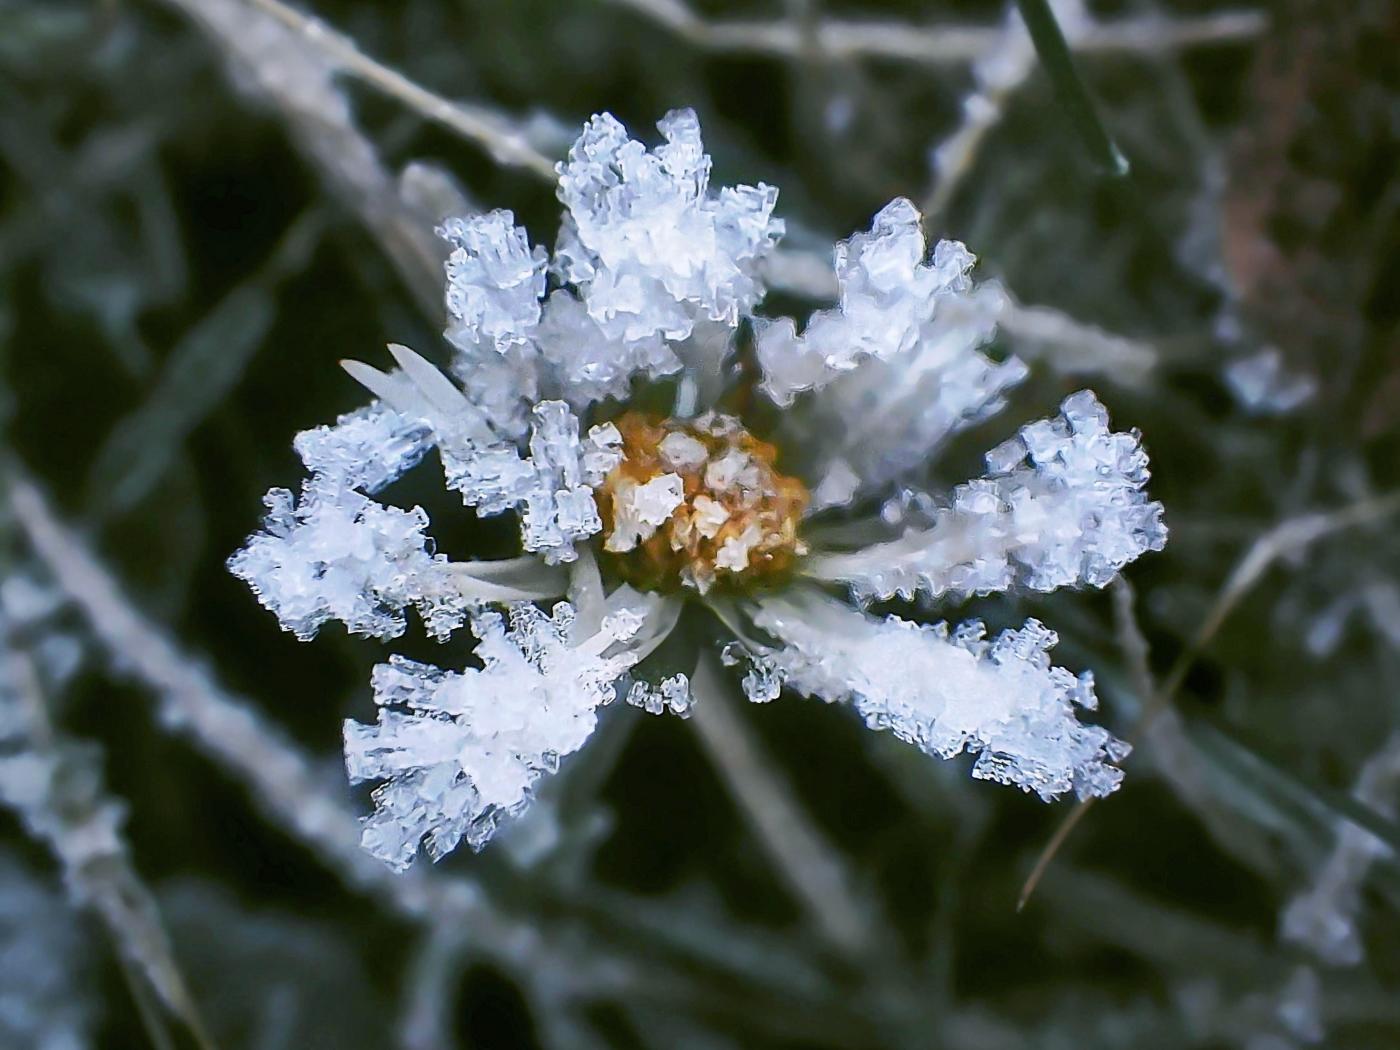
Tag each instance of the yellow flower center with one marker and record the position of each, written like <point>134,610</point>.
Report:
<point>699,503</point>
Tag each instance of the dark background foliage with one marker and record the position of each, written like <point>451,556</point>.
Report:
<point>185,255</point>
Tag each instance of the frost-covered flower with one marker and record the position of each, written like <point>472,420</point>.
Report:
<point>632,517</point>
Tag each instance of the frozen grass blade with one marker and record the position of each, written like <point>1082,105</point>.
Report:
<point>1289,537</point>
<point>1244,759</point>
<point>1054,54</point>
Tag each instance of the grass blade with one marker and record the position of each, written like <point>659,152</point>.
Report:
<point>1054,55</point>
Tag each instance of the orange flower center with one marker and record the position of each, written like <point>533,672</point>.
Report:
<point>698,503</point>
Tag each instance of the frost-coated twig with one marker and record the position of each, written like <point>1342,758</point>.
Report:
<point>293,75</point>
<point>281,779</point>
<point>1175,760</point>
<point>1324,917</point>
<point>506,143</point>
<point>1287,538</point>
<point>428,989</point>
<point>997,73</point>
<point>937,45</point>
<point>1132,643</point>
<point>55,787</point>
<point>809,865</point>
<point>1073,347</point>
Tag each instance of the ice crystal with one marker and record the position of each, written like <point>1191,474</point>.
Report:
<point>551,488</point>
<point>889,293</point>
<point>1063,503</point>
<point>495,281</point>
<point>1264,386</point>
<point>653,276</point>
<point>336,554</point>
<point>949,692</point>
<point>651,248</point>
<point>670,694</point>
<point>459,752</point>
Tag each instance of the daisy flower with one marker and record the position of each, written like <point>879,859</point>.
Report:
<point>684,466</point>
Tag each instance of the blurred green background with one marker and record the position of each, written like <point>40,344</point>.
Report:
<point>202,209</point>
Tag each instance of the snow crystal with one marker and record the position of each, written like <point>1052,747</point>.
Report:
<point>887,294</point>
<point>1063,504</point>
<point>950,692</point>
<point>458,752</point>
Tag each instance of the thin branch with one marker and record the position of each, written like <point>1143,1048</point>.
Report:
<point>1287,538</point>
<point>1324,917</point>
<point>808,863</point>
<point>506,143</point>
<point>937,45</point>
<point>295,76</point>
<point>1132,643</point>
<point>284,782</point>
<point>55,786</point>
<point>428,986</point>
<point>1074,347</point>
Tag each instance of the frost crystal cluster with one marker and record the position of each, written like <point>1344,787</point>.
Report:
<point>631,516</point>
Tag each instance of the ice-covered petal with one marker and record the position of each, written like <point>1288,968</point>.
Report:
<point>585,363</point>
<point>367,449</point>
<point>551,487</point>
<point>889,297</point>
<point>948,692</point>
<point>887,418</point>
<point>1063,503</point>
<point>651,249</point>
<point>419,392</point>
<point>336,554</point>
<point>458,752</point>
<point>495,281</point>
